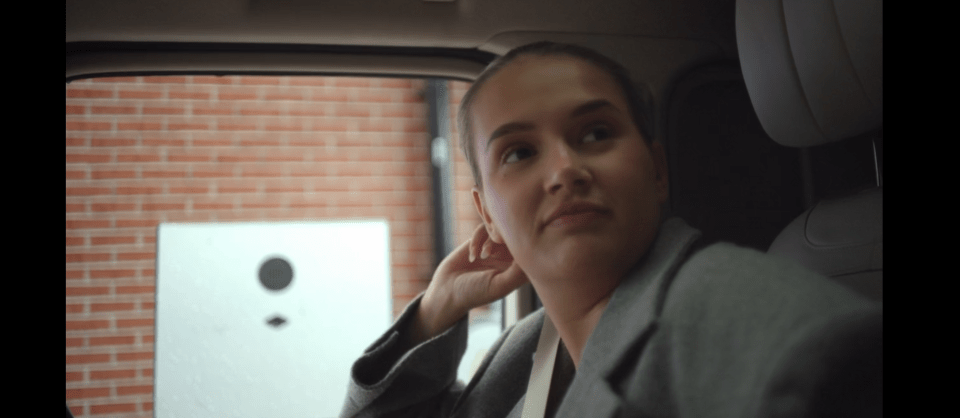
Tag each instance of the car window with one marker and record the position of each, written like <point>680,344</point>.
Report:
<point>143,151</point>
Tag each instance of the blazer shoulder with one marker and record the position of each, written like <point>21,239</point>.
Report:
<point>724,278</point>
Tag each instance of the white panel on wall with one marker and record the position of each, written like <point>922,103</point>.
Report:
<point>232,344</point>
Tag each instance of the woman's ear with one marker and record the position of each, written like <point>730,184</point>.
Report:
<point>492,230</point>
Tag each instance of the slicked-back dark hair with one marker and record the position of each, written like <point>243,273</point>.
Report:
<point>638,105</point>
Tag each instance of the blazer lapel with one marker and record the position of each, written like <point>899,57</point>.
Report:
<point>626,325</point>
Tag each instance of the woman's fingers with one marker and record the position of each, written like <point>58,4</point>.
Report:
<point>479,238</point>
<point>485,249</point>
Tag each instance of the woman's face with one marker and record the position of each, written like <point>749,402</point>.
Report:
<point>569,184</point>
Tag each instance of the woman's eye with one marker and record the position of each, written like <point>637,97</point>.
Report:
<point>517,154</point>
<point>597,133</point>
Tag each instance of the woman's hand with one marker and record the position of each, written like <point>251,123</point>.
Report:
<point>476,273</point>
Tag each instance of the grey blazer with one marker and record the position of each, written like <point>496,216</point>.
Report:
<point>724,332</point>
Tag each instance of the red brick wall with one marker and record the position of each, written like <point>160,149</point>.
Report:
<point>144,150</point>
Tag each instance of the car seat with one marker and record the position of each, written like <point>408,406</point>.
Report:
<point>814,73</point>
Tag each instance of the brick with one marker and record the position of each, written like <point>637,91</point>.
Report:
<point>76,410</point>
<point>189,189</point>
<point>190,95</point>
<point>169,173</point>
<point>74,376</point>
<point>188,125</point>
<point>351,82</point>
<point>307,109</point>
<point>262,110</point>
<point>135,356</point>
<point>113,142</point>
<point>138,190</point>
<point>75,241</point>
<point>260,141</point>
<point>236,126</point>
<point>404,111</point>
<point>211,111</point>
<point>135,390</point>
<point>76,175</point>
<point>112,274</point>
<point>76,142</point>
<point>188,158</point>
<point>232,186</point>
<point>283,95</point>
<point>283,187</point>
<point>139,126</point>
<point>212,142</point>
<point>87,358</point>
<point>133,94</point>
<point>111,307</point>
<point>147,339</point>
<point>212,206</point>
<point>239,156</point>
<point>328,125</point>
<point>283,126</point>
<point>74,308</point>
<point>115,340</point>
<point>113,110</point>
<point>164,142</point>
<point>138,158</point>
<point>149,207</point>
<point>83,393</point>
<point>413,125</point>
<point>113,174</point>
<point>137,223</point>
<point>87,257</point>
<point>76,207</point>
<point>136,256</point>
<point>209,79</point>
<point>266,171</point>
<point>308,81</point>
<point>333,95</point>
<point>253,80</point>
<point>128,290</point>
<point>377,125</point>
<point>86,324</point>
<point>395,83</point>
<point>237,93</point>
<point>375,96</point>
<point>112,408</point>
<point>74,274</point>
<point>74,342</point>
<point>76,109</point>
<point>89,93</point>
<point>359,170</point>
<point>87,158</point>
<point>113,374</point>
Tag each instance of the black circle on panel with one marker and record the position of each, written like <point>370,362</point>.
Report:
<point>275,274</point>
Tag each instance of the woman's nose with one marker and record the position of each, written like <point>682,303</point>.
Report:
<point>567,169</point>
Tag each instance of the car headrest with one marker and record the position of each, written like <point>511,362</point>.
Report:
<point>813,68</point>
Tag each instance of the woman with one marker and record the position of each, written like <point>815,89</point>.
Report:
<point>569,188</point>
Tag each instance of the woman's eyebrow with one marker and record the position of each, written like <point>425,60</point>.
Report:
<point>583,109</point>
<point>591,106</point>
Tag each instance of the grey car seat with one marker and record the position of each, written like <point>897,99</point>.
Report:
<point>814,72</point>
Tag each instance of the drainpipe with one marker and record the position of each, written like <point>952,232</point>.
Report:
<point>436,96</point>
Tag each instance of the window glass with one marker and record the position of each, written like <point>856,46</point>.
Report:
<point>146,151</point>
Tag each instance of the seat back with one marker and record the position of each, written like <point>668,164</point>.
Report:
<point>814,73</point>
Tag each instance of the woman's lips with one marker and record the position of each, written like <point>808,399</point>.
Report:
<point>575,213</point>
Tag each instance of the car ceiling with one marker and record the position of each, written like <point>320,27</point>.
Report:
<point>655,39</point>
